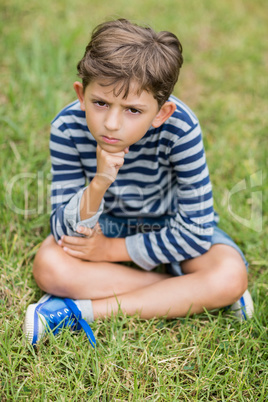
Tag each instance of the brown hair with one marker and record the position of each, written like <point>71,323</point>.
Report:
<point>120,51</point>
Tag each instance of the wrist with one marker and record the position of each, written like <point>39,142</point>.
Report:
<point>117,250</point>
<point>100,183</point>
<point>91,199</point>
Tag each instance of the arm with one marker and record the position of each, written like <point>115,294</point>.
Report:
<point>68,181</point>
<point>108,165</point>
<point>68,177</point>
<point>189,233</point>
<point>70,199</point>
<point>95,246</point>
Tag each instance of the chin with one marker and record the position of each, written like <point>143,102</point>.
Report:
<point>112,148</point>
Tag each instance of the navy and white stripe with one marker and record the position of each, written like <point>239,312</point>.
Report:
<point>164,173</point>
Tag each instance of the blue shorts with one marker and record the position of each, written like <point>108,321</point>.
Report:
<point>113,226</point>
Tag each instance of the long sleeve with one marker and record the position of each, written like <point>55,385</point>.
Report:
<point>164,173</point>
<point>189,232</point>
<point>68,184</point>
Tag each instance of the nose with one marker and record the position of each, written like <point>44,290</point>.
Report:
<point>112,120</point>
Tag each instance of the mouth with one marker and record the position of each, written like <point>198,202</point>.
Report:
<point>110,140</point>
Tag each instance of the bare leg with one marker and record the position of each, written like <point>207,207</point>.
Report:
<point>62,275</point>
<point>216,279</point>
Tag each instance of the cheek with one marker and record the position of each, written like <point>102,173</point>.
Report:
<point>143,127</point>
<point>137,132</point>
<point>92,124</point>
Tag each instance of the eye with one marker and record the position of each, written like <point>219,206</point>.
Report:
<point>100,103</point>
<point>134,111</point>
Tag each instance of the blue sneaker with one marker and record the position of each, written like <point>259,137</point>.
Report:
<point>243,308</point>
<point>52,313</point>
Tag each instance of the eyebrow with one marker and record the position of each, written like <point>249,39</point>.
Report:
<point>129,105</point>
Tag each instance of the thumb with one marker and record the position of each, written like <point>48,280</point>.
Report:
<point>97,228</point>
<point>85,231</point>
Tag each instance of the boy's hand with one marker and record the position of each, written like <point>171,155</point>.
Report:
<point>108,165</point>
<point>93,247</point>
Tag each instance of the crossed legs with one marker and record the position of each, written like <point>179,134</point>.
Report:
<point>215,279</point>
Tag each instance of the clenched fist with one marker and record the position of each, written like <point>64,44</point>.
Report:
<point>108,164</point>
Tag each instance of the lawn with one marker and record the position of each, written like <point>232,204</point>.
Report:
<point>210,357</point>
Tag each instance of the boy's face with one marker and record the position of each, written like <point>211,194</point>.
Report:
<point>117,123</point>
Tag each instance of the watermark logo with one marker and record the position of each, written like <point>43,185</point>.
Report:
<point>26,183</point>
<point>28,194</point>
<point>254,222</point>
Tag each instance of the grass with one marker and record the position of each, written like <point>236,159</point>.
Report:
<point>210,357</point>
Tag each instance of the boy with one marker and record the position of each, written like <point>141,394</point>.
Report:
<point>148,200</point>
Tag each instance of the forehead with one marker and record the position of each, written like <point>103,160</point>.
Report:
<point>120,90</point>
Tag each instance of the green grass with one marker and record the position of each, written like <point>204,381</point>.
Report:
<point>210,357</point>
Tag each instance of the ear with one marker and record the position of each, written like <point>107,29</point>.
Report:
<point>78,87</point>
<point>164,113</point>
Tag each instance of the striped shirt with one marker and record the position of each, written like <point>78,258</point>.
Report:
<point>164,173</point>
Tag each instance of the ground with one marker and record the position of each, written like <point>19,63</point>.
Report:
<point>224,80</point>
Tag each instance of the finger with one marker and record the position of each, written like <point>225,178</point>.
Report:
<point>74,253</point>
<point>97,228</point>
<point>74,247</point>
<point>116,161</point>
<point>126,150</point>
<point>72,240</point>
<point>85,231</point>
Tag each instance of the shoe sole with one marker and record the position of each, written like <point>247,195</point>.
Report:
<point>33,326</point>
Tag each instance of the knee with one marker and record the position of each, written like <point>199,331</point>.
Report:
<point>43,269</point>
<point>232,280</point>
<point>47,267</point>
